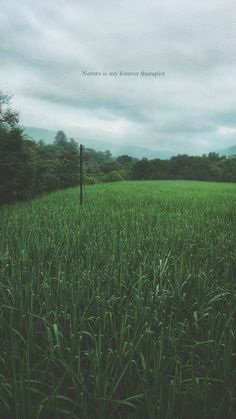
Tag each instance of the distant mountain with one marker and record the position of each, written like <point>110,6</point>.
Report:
<point>116,149</point>
<point>37,134</point>
<point>229,151</point>
<point>130,150</point>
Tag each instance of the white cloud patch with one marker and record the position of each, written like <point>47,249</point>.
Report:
<point>227,130</point>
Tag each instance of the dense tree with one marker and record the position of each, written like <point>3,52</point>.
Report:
<point>124,160</point>
<point>67,167</point>
<point>214,157</point>
<point>212,167</point>
<point>17,165</point>
<point>60,139</point>
<point>228,167</point>
<point>141,170</point>
<point>109,166</point>
<point>159,169</point>
<point>46,178</point>
<point>17,155</point>
<point>8,117</point>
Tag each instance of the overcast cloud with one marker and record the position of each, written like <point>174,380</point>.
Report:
<point>45,46</point>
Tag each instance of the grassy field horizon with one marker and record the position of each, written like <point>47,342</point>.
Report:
<point>122,308</point>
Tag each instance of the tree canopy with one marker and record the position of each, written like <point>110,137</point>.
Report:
<point>7,115</point>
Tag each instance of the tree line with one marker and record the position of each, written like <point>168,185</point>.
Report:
<point>211,167</point>
<point>29,167</point>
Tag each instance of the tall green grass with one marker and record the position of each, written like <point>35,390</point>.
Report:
<point>124,308</point>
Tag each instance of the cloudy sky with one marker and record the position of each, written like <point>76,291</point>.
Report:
<point>46,45</point>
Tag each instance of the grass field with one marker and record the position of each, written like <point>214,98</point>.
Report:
<point>125,308</point>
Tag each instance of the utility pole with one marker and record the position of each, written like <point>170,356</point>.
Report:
<point>81,173</point>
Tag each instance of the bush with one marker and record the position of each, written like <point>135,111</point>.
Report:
<point>113,176</point>
<point>91,180</point>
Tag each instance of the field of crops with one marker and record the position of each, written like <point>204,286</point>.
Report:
<point>125,308</point>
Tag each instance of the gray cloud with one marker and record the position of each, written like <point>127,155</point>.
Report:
<point>45,46</point>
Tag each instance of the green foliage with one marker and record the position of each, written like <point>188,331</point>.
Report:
<point>17,165</point>
<point>125,165</point>
<point>28,168</point>
<point>141,170</point>
<point>124,308</point>
<point>92,179</point>
<point>60,139</point>
<point>228,168</point>
<point>113,176</point>
<point>125,161</point>
<point>108,166</point>
<point>8,117</point>
<point>211,167</point>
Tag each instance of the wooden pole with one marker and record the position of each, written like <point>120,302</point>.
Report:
<point>81,173</point>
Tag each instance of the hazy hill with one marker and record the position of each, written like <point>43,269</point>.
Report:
<point>229,151</point>
<point>116,149</point>
<point>40,133</point>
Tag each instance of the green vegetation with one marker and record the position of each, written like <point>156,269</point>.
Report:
<point>212,168</point>
<point>124,308</point>
<point>29,168</point>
